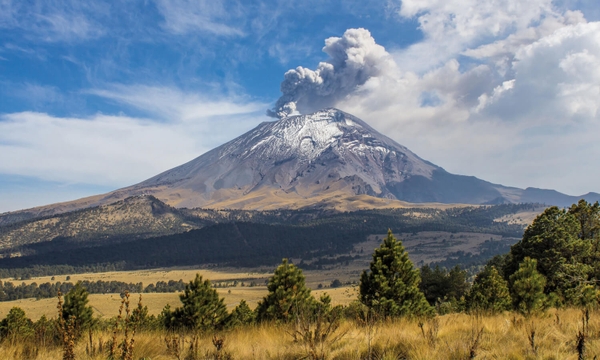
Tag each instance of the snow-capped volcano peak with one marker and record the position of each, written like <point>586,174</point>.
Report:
<point>303,154</point>
<point>301,160</point>
<point>306,137</point>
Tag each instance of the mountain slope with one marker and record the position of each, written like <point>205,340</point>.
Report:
<point>329,154</point>
<point>308,156</point>
<point>136,217</point>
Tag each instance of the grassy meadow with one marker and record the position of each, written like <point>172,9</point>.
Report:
<point>105,305</point>
<point>553,335</point>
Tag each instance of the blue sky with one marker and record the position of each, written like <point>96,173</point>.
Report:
<point>98,95</point>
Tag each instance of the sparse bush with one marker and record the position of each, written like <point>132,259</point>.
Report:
<point>317,328</point>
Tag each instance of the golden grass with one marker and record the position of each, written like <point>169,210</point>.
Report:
<point>522,217</point>
<point>105,305</point>
<point>503,336</point>
<point>338,198</point>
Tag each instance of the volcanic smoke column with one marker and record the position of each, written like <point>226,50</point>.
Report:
<point>354,59</point>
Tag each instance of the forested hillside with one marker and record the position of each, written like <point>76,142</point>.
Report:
<point>253,238</point>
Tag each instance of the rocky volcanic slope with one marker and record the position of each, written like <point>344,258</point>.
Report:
<point>301,156</point>
<point>328,153</point>
<point>135,217</point>
<point>328,157</point>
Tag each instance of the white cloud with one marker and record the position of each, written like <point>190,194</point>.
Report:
<point>556,78</point>
<point>185,16</point>
<point>485,100</point>
<point>119,150</point>
<point>176,105</point>
<point>100,150</point>
<point>53,21</point>
<point>504,90</point>
<point>452,26</point>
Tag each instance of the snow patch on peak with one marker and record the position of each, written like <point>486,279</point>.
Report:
<point>306,137</point>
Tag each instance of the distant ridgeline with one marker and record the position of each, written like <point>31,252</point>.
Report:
<point>255,238</point>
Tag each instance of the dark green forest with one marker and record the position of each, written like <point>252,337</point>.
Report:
<point>232,240</point>
<point>9,291</point>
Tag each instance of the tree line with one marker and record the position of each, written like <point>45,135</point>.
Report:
<point>9,292</point>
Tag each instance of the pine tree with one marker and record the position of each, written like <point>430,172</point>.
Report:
<point>391,287</point>
<point>489,292</point>
<point>527,288</point>
<point>441,285</point>
<point>552,239</point>
<point>288,294</point>
<point>76,307</point>
<point>565,245</point>
<point>16,326</point>
<point>588,216</point>
<point>241,315</point>
<point>166,318</point>
<point>139,316</point>
<point>202,308</point>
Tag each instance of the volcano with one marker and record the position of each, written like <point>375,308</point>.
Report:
<point>307,159</point>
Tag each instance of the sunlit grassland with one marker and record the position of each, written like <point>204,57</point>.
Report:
<point>105,305</point>
<point>454,336</point>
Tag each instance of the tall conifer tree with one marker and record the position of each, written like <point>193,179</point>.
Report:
<point>202,308</point>
<point>288,294</point>
<point>76,308</point>
<point>489,292</point>
<point>391,286</point>
<point>528,288</point>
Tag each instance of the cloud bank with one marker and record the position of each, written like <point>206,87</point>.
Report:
<point>504,90</point>
<point>119,150</point>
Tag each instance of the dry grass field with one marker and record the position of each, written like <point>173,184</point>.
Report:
<point>224,275</point>
<point>106,305</point>
<point>455,336</point>
<point>522,217</point>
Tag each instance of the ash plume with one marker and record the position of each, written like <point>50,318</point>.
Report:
<point>354,58</point>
